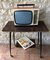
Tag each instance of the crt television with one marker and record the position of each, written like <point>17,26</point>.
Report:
<point>24,17</point>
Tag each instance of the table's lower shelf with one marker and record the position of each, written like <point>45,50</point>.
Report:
<point>18,45</point>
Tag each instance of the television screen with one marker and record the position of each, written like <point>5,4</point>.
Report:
<point>23,17</point>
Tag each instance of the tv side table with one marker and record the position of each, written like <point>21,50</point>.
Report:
<point>41,27</point>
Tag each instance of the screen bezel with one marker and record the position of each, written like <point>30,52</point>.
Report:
<point>23,11</point>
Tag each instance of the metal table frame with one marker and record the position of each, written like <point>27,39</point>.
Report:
<point>39,40</point>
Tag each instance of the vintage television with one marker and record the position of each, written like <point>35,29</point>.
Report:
<point>25,17</point>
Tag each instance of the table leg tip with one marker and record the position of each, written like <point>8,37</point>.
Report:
<point>11,55</point>
<point>41,56</point>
